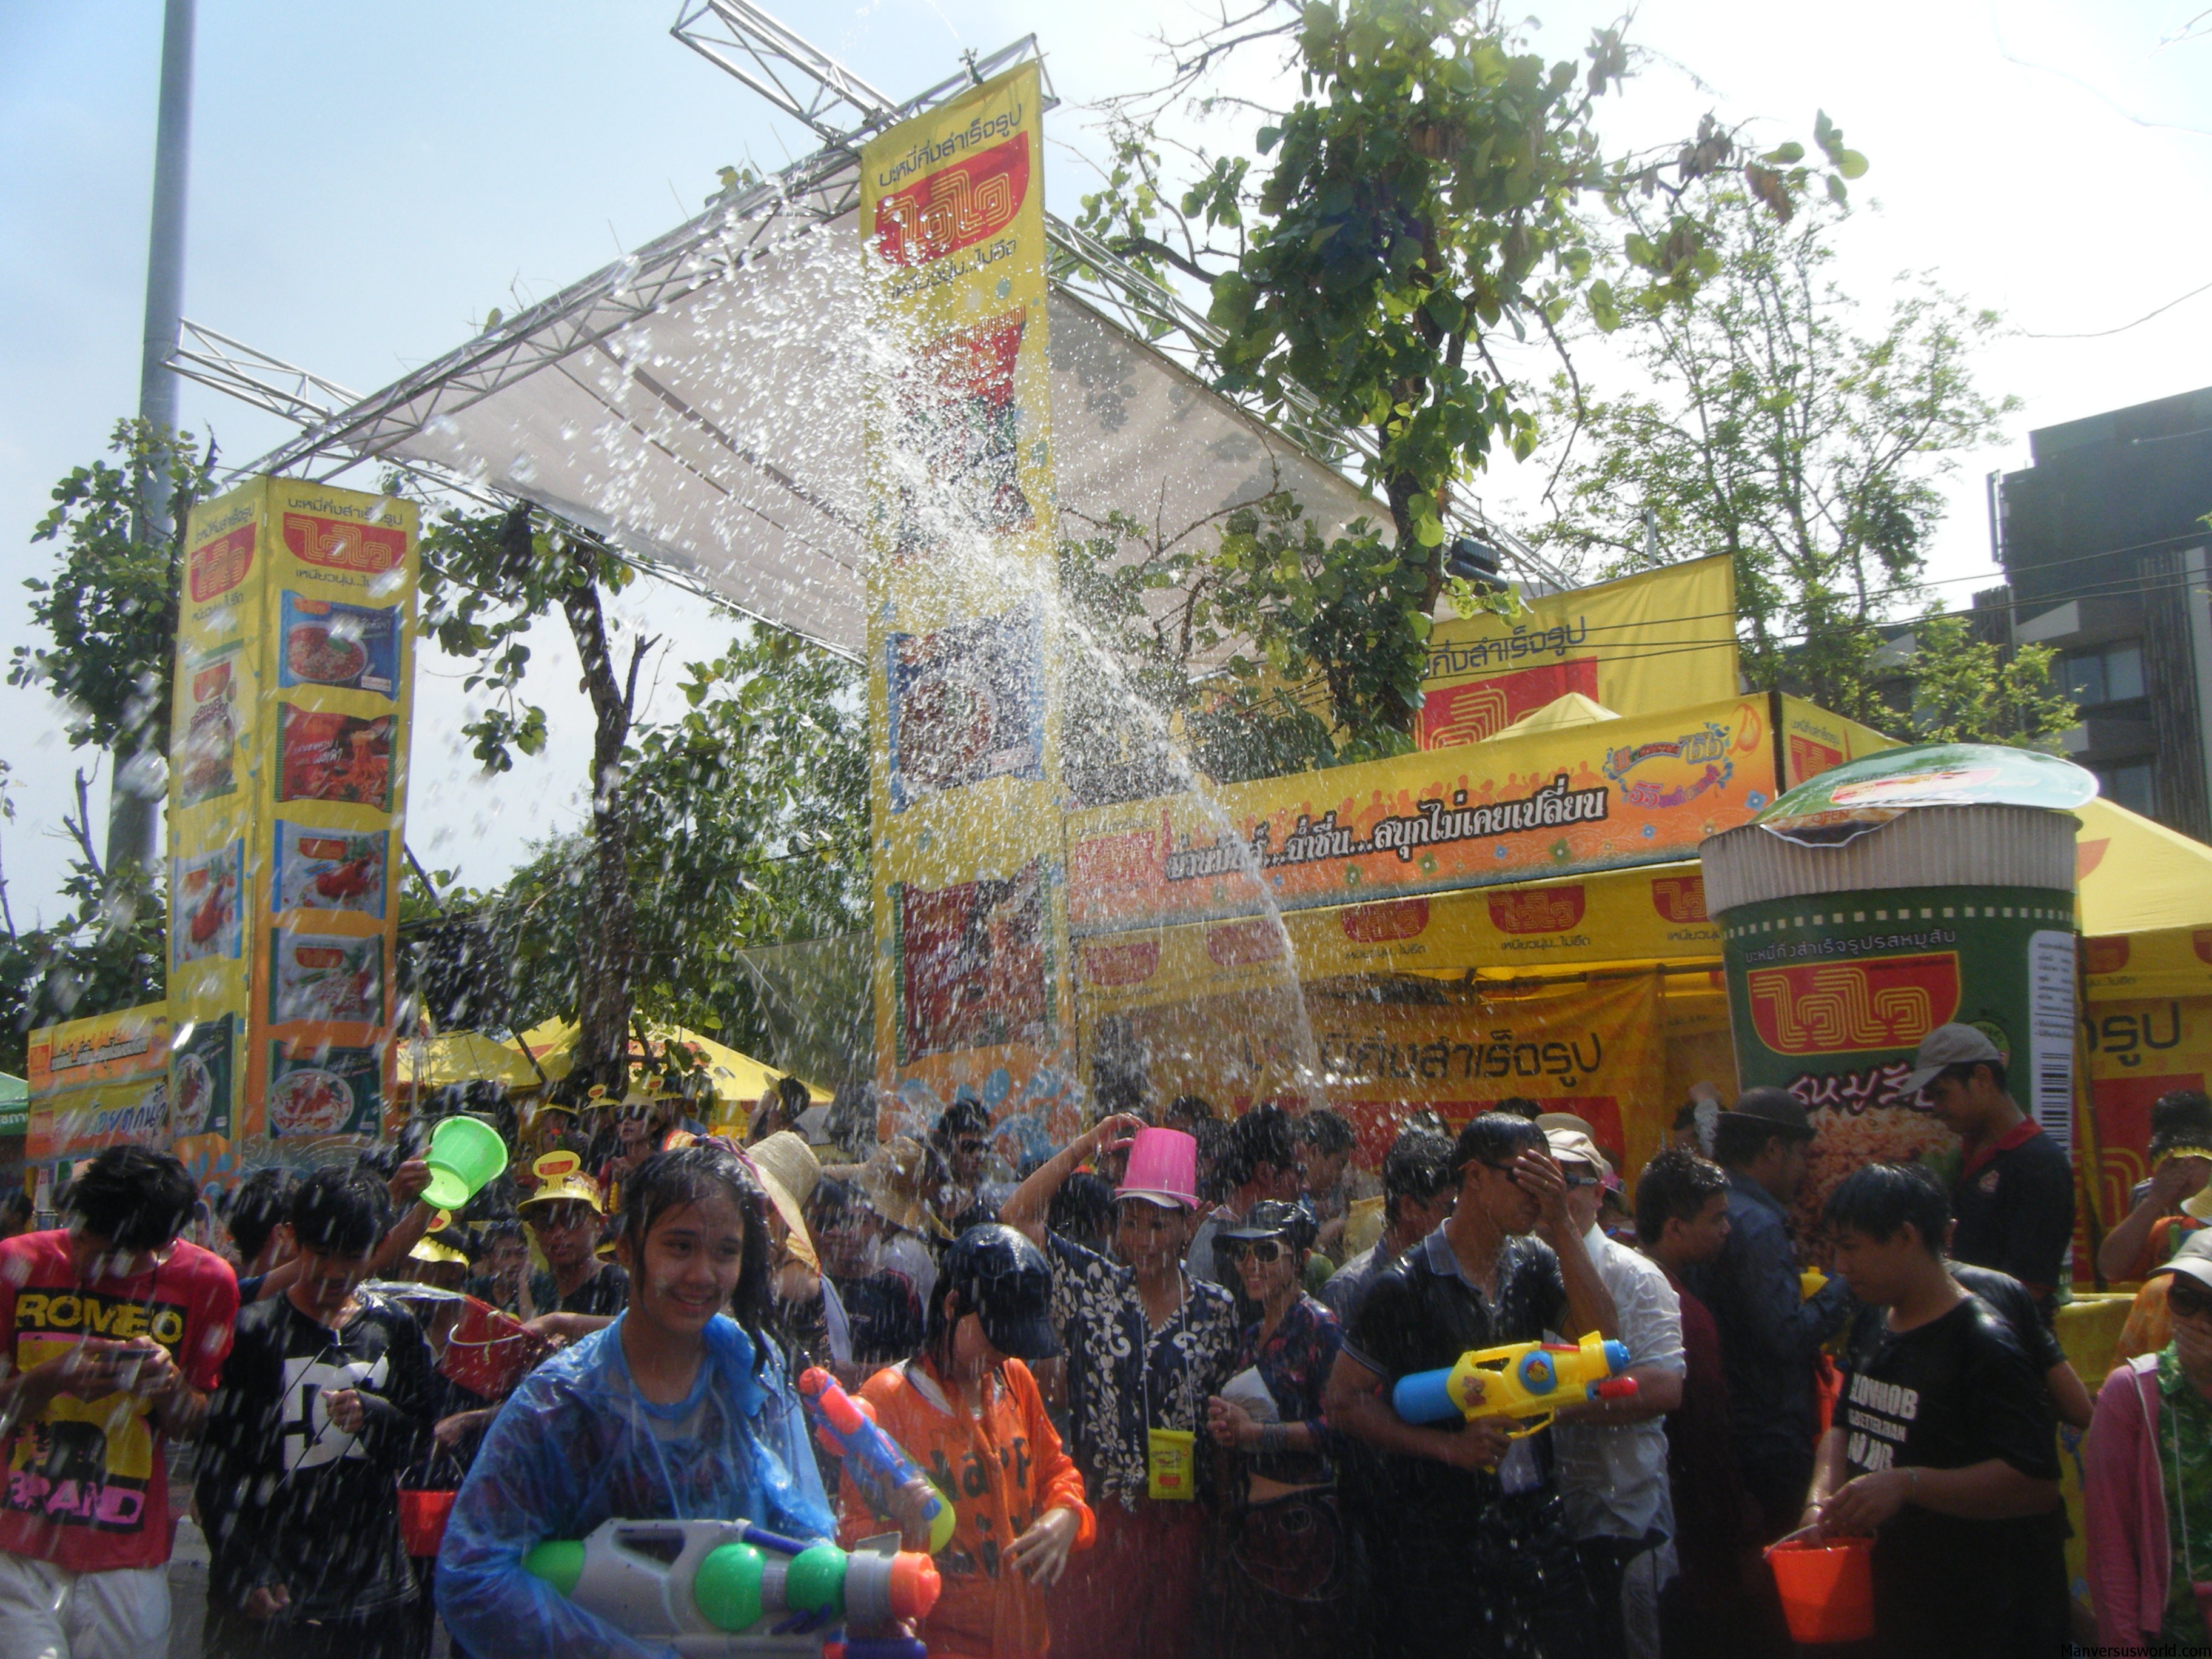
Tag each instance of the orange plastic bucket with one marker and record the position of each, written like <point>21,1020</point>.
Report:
<point>422,1520</point>
<point>1827,1589</point>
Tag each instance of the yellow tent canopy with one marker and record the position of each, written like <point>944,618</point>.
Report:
<point>463,1057</point>
<point>2145,905</point>
<point>738,1078</point>
<point>1572,710</point>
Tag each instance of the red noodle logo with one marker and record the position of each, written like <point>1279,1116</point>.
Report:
<point>1680,898</point>
<point>218,566</point>
<point>1370,924</point>
<point>1537,910</point>
<point>1845,1007</point>
<point>337,544</point>
<point>955,207</point>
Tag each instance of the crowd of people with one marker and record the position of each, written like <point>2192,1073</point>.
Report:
<point>1153,1374</point>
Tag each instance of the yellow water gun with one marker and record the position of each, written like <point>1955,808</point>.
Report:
<point>1525,1380</point>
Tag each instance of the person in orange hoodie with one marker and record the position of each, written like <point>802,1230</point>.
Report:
<point>967,1410</point>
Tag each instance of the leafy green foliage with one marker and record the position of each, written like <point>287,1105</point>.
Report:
<point>1967,690</point>
<point>1424,197</point>
<point>109,608</point>
<point>748,822</point>
<point>1777,434</point>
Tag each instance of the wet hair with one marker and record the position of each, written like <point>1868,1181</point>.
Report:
<point>964,1116</point>
<point>1494,1138</point>
<point>16,1210</point>
<point>498,1232</point>
<point>1082,1210</point>
<point>1189,1109</point>
<point>135,1198</point>
<point>340,1211</point>
<point>1740,1140</point>
<point>250,1211</point>
<point>792,1095</point>
<point>1212,1135</point>
<point>2181,1117</point>
<point>1418,1166</point>
<point>1518,1106</point>
<point>1263,1135</point>
<point>1674,1186</point>
<point>1326,1132</point>
<point>1880,1198</point>
<point>669,1180</point>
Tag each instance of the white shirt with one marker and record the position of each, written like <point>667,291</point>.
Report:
<point>1614,1480</point>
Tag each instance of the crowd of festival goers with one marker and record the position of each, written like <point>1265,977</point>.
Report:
<point>1152,1373</point>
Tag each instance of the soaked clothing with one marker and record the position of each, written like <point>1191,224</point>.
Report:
<point>882,1320</point>
<point>1475,1562</point>
<point>2014,1202</point>
<point>1124,1377</point>
<point>2184,1450</point>
<point>576,1445</point>
<point>87,1485</point>
<point>1001,1471</point>
<point>1956,1391</point>
<point>287,1497</point>
<point>604,1294</point>
<point>1287,1560</point>
<point>1770,1339</point>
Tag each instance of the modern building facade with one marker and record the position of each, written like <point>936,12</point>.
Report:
<point>2105,546</point>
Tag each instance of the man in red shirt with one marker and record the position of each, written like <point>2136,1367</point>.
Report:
<point>115,1332</point>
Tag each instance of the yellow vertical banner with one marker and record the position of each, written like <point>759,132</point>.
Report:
<point>970,985</point>
<point>287,798</point>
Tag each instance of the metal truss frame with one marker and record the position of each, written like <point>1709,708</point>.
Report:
<point>810,87</point>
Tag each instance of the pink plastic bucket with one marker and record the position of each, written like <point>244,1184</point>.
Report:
<point>1163,1164</point>
<point>1827,1590</point>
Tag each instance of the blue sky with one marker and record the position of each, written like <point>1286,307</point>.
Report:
<point>369,178</point>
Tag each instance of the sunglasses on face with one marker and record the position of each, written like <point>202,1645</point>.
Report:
<point>1264,1251</point>
<point>2187,1301</point>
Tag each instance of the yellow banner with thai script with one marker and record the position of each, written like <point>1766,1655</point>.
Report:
<point>1647,643</point>
<point>1813,741</point>
<point>1656,913</point>
<point>1614,793</point>
<point>1593,1049</point>
<point>99,1082</point>
<point>970,984</point>
<point>294,681</point>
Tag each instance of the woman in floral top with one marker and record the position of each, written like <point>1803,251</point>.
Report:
<point>1286,1554</point>
<point>1146,1346</point>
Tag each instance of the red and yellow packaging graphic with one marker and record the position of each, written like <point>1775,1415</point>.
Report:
<point>972,961</point>
<point>288,791</point>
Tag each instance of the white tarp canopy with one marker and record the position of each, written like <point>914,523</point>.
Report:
<point>701,404</point>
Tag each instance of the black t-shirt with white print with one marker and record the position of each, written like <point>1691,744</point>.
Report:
<point>1957,1391</point>
<point>287,1497</point>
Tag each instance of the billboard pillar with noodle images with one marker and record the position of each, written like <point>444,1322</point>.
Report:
<point>971,977</point>
<point>287,754</point>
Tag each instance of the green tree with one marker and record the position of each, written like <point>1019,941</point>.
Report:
<point>748,822</point>
<point>487,577</point>
<point>111,952</point>
<point>1425,198</point>
<point>109,611</point>
<point>1967,691</point>
<point>1774,431</point>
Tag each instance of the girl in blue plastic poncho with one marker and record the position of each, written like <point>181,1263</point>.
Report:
<point>675,1412</point>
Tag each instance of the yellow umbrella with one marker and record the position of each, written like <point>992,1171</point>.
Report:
<point>738,1078</point>
<point>464,1057</point>
<point>1562,712</point>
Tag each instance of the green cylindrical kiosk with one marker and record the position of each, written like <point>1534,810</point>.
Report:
<point>1904,890</point>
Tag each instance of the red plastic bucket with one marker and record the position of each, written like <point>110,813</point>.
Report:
<point>422,1520</point>
<point>488,1350</point>
<point>1827,1589</point>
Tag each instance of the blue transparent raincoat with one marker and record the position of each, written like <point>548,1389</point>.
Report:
<point>575,1445</point>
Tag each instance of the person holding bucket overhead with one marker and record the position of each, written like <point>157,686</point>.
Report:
<point>1943,1451</point>
<point>1147,1344</point>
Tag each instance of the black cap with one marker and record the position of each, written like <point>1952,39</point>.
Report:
<point>1772,1109</point>
<point>1005,1282</point>
<point>1272,1218</point>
